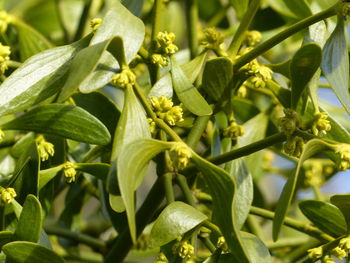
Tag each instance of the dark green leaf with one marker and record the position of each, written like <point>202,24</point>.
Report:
<point>131,164</point>
<point>25,252</point>
<point>99,170</point>
<point>240,7</point>
<point>174,221</point>
<point>335,64</point>
<point>117,23</point>
<point>325,216</point>
<point>222,189</point>
<point>38,78</point>
<point>217,75</point>
<point>343,203</point>
<point>311,148</point>
<point>135,6</point>
<point>187,93</point>
<point>31,41</point>
<point>303,66</point>
<point>257,250</point>
<point>30,221</point>
<point>62,120</point>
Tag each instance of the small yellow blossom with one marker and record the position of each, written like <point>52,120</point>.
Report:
<point>69,172</point>
<point>2,135</point>
<point>5,52</point>
<point>161,104</point>
<point>152,125</point>
<point>339,252</point>
<point>327,259</point>
<point>45,149</point>
<point>161,258</point>
<point>344,244</point>
<point>159,59</point>
<point>289,123</point>
<point>124,78</point>
<point>165,110</point>
<point>7,195</point>
<point>343,150</point>
<point>183,154</point>
<point>212,39</point>
<point>315,253</point>
<point>5,20</point>
<point>183,249</point>
<point>252,37</point>
<point>221,243</point>
<point>174,115</point>
<point>242,91</point>
<point>164,43</point>
<point>233,131</point>
<point>321,124</point>
<point>294,146</point>
<point>95,23</point>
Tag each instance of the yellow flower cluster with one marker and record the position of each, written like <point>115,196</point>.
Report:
<point>320,123</point>
<point>340,251</point>
<point>183,249</point>
<point>7,195</point>
<point>124,78</point>
<point>69,172</point>
<point>289,123</point>
<point>294,146</point>
<point>152,126</point>
<point>212,39</point>
<point>95,23</point>
<point>161,258</point>
<point>45,149</point>
<point>233,131</point>
<point>164,47</point>
<point>165,110</point>
<point>183,154</point>
<point>5,20</point>
<point>5,52</point>
<point>252,37</point>
<point>343,150</point>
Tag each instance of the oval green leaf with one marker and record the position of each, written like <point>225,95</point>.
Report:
<point>62,120</point>
<point>30,221</point>
<point>24,252</point>
<point>335,64</point>
<point>343,203</point>
<point>325,216</point>
<point>174,221</point>
<point>303,66</point>
<point>187,93</point>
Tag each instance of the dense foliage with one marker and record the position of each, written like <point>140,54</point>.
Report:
<point>155,131</point>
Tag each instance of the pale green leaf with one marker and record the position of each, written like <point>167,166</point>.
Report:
<point>292,8</point>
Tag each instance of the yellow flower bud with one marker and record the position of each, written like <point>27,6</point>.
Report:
<point>183,249</point>
<point>183,154</point>
<point>124,78</point>
<point>164,43</point>
<point>212,39</point>
<point>5,20</point>
<point>252,37</point>
<point>294,146</point>
<point>161,258</point>
<point>69,172</point>
<point>95,23</point>
<point>289,122</point>
<point>161,104</point>
<point>45,149</point>
<point>327,259</point>
<point>233,131</point>
<point>159,60</point>
<point>315,253</point>
<point>7,195</point>
<point>321,124</point>
<point>339,252</point>
<point>344,244</point>
<point>174,115</point>
<point>343,150</point>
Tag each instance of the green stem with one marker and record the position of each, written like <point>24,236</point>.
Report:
<point>219,16</point>
<point>243,27</point>
<point>212,227</point>
<point>81,238</point>
<point>192,22</point>
<point>61,22</point>
<point>83,20</point>
<point>168,186</point>
<point>197,130</point>
<point>286,242</point>
<point>297,225</point>
<point>209,245</point>
<point>182,181</point>
<point>255,227</point>
<point>13,64</point>
<point>156,19</point>
<point>289,31</point>
<point>300,252</point>
<point>123,243</point>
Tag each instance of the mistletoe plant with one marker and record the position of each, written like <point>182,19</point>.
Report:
<point>99,99</point>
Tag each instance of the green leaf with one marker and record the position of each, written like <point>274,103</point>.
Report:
<point>38,78</point>
<point>335,64</point>
<point>187,93</point>
<point>130,171</point>
<point>30,221</point>
<point>292,8</point>
<point>79,72</point>
<point>244,192</point>
<point>99,170</point>
<point>174,221</point>
<point>25,252</point>
<point>257,250</point>
<point>62,120</point>
<point>343,203</point>
<point>117,23</point>
<point>325,216</point>
<point>6,237</point>
<point>117,203</point>
<point>191,69</point>
<point>135,6</point>
<point>47,175</point>
<point>31,41</point>
<point>223,189</point>
<point>217,75</point>
<point>240,7</point>
<point>311,148</point>
<point>303,66</point>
